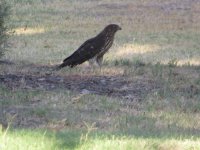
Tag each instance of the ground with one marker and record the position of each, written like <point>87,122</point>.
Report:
<point>145,95</point>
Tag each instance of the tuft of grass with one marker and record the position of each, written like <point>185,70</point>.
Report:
<point>123,62</point>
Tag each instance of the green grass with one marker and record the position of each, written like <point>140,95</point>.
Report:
<point>155,123</point>
<point>159,44</point>
<point>39,140</point>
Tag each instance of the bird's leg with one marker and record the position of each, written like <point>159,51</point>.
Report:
<point>99,61</point>
<point>93,62</point>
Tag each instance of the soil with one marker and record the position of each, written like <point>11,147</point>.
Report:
<point>114,86</point>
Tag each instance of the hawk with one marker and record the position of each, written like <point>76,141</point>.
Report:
<point>93,49</point>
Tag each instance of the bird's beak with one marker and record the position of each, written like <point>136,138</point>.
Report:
<point>119,28</point>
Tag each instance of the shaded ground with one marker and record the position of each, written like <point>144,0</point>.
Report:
<point>127,89</point>
<point>115,86</point>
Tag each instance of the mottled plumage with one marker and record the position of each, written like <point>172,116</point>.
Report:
<point>93,49</point>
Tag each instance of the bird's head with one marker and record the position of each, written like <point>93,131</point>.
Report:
<point>112,28</point>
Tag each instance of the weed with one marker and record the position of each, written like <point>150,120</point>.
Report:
<point>173,63</point>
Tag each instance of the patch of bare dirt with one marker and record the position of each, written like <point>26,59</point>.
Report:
<point>114,86</point>
<point>6,62</point>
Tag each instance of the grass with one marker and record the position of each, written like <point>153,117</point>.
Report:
<point>159,44</point>
<point>26,139</point>
<point>49,24</point>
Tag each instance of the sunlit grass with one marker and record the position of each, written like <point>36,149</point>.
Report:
<point>24,140</point>
<point>141,144</point>
<point>131,49</point>
<point>193,61</point>
<point>28,31</point>
<point>42,140</point>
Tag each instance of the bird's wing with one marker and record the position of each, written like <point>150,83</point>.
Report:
<point>85,52</point>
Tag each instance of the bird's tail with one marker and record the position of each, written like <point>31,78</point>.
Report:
<point>58,67</point>
<point>66,62</point>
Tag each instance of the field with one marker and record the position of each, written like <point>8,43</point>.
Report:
<point>145,96</point>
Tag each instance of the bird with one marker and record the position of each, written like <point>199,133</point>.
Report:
<point>93,49</point>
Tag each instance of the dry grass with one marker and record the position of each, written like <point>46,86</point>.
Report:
<point>55,29</point>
